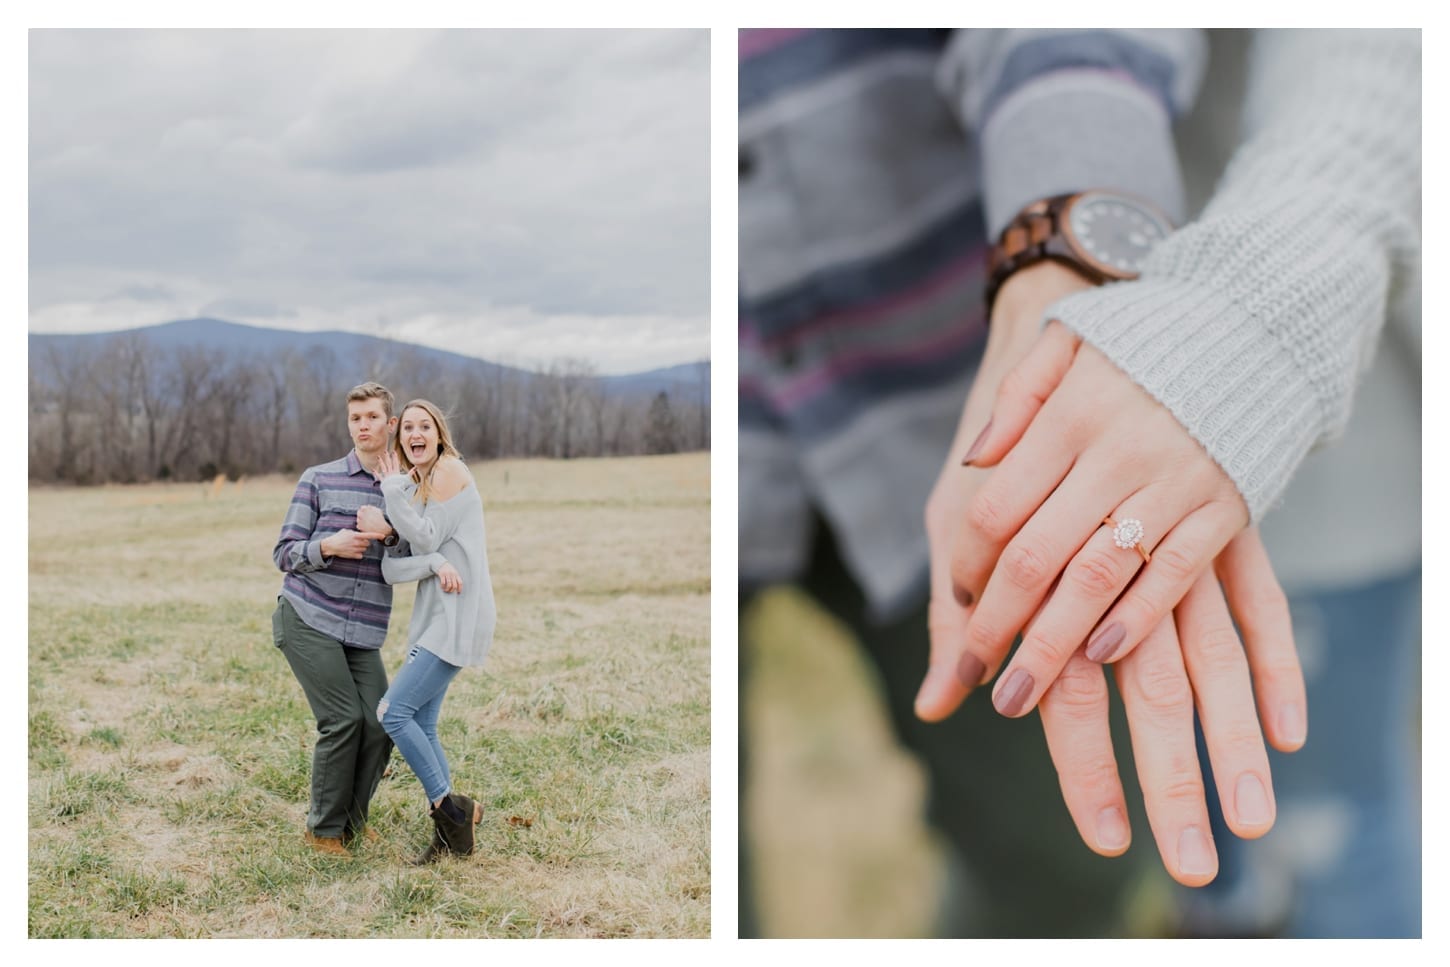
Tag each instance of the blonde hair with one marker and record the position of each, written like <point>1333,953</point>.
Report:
<point>372,391</point>
<point>445,443</point>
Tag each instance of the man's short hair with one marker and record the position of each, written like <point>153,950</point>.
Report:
<point>373,391</point>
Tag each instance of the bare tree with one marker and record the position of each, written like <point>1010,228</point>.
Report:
<point>660,432</point>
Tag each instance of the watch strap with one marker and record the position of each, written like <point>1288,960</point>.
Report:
<point>1033,235</point>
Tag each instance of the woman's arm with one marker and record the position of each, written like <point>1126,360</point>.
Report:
<point>425,534</point>
<point>415,567</point>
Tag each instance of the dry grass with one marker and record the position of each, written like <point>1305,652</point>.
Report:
<point>834,805</point>
<point>170,746</point>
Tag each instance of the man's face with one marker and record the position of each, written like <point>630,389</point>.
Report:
<point>368,425</point>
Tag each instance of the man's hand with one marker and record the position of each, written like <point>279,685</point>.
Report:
<point>349,543</point>
<point>370,520</point>
<point>1016,324</point>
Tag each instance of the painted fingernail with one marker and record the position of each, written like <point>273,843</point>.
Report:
<point>1107,641</point>
<point>970,670</point>
<point>976,446</point>
<point>1292,727</point>
<point>963,596</point>
<point>1251,802</point>
<point>1112,829</point>
<point>1012,696</point>
<point>1195,853</point>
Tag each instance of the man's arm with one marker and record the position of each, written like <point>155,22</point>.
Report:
<point>296,550</point>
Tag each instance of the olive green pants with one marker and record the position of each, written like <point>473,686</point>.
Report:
<point>343,686</point>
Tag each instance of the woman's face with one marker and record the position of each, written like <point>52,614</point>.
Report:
<point>419,436</point>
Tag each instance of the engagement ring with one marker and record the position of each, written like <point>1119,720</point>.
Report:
<point>1129,535</point>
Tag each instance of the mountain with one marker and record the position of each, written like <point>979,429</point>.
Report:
<point>236,339</point>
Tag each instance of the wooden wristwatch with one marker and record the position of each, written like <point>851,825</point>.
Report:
<point>1102,235</point>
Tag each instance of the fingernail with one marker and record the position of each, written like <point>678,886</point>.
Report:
<point>1292,727</point>
<point>963,596</point>
<point>976,446</point>
<point>970,670</point>
<point>1195,853</point>
<point>1107,641</point>
<point>1012,696</point>
<point>1251,802</point>
<point>1112,829</point>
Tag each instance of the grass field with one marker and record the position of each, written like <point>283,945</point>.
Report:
<point>170,746</point>
<point>839,842</point>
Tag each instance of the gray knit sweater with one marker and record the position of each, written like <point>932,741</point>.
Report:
<point>1253,323</point>
<point>457,627</point>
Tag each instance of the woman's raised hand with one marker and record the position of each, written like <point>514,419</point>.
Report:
<point>388,464</point>
<point>1075,441</point>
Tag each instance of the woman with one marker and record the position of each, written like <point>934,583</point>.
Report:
<point>434,505</point>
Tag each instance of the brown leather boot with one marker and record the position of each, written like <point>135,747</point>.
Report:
<point>327,845</point>
<point>353,838</point>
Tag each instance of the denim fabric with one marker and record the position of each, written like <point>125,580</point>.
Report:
<point>1343,858</point>
<point>409,713</point>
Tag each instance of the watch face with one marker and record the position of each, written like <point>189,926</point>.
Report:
<point>1114,232</point>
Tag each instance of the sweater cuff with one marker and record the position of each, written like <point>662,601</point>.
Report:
<point>1221,373</point>
<point>1072,130</point>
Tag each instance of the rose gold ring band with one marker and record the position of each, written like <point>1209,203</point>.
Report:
<point>1129,534</point>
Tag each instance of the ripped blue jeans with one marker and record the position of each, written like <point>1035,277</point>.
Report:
<point>409,713</point>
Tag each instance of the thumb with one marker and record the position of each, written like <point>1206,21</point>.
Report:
<point>947,681</point>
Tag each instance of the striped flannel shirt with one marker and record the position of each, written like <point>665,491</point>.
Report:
<point>343,598</point>
<point>874,167</point>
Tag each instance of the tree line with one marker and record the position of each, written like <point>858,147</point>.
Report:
<point>124,410</point>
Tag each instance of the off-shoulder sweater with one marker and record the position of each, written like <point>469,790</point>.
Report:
<point>457,627</point>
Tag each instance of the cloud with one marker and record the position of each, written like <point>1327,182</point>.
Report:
<point>546,186</point>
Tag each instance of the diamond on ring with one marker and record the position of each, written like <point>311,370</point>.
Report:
<point>1128,533</point>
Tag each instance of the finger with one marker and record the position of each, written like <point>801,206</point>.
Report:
<point>1022,392</point>
<point>1219,674</point>
<point>1186,552</point>
<point>1262,610</point>
<point>951,672</point>
<point>372,536</point>
<point>1159,704</point>
<point>1075,720</point>
<point>1005,500</point>
<point>1020,583</point>
<point>1091,581</point>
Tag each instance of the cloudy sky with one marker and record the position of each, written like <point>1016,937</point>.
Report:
<point>516,195</point>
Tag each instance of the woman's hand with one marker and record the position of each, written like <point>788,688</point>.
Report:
<point>1191,658</point>
<point>388,464</point>
<point>449,579</point>
<point>1086,443</point>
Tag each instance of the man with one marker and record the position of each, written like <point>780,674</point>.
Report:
<point>332,618</point>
